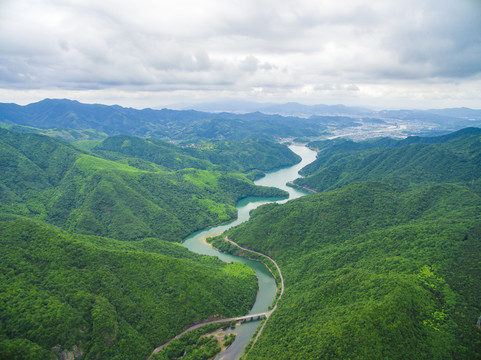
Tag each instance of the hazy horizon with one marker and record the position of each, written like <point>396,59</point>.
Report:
<point>236,105</point>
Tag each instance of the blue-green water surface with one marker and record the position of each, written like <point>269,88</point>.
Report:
<point>267,285</point>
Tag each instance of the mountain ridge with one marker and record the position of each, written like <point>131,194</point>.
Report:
<point>192,125</point>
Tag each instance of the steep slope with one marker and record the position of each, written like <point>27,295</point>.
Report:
<point>42,153</point>
<point>66,295</point>
<point>51,181</point>
<point>169,156</point>
<point>246,155</point>
<point>106,198</point>
<point>238,156</point>
<point>373,271</point>
<point>454,158</point>
<point>70,295</point>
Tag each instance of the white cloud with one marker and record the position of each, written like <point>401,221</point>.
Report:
<point>354,50</point>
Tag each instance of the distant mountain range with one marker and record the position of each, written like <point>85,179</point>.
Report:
<point>164,123</point>
<point>290,109</point>
<point>270,121</point>
<point>302,110</point>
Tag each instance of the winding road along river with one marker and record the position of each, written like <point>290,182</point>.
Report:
<point>267,284</point>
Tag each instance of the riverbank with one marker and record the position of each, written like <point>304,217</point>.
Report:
<point>302,188</point>
<point>265,268</point>
<point>204,239</point>
<point>259,332</point>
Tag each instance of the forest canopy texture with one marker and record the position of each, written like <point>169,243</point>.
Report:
<point>382,262</point>
<point>387,265</point>
<point>90,261</point>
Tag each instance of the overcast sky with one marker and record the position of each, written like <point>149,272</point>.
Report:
<point>147,53</point>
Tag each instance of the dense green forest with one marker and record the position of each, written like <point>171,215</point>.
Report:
<point>105,298</point>
<point>382,263</point>
<point>108,193</point>
<point>373,271</point>
<point>385,266</point>
<point>240,156</point>
<point>455,157</point>
<point>71,286</point>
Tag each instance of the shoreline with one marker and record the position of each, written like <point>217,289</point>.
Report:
<point>203,240</point>
<point>264,260</point>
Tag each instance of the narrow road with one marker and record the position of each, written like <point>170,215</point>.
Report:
<point>277,179</point>
<point>209,322</point>
<point>267,314</point>
<point>266,256</point>
<point>282,286</point>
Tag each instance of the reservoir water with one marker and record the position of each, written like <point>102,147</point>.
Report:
<point>267,285</point>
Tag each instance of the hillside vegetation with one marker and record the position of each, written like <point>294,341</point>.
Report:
<point>382,263</point>
<point>105,299</point>
<point>70,287</point>
<point>413,161</point>
<point>386,266</point>
<point>124,196</point>
<point>239,156</point>
<point>373,271</point>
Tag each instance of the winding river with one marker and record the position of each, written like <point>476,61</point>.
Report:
<point>267,284</point>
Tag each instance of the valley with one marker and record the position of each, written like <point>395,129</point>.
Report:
<point>100,233</point>
<point>240,180</point>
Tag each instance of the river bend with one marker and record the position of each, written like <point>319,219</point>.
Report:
<point>267,284</point>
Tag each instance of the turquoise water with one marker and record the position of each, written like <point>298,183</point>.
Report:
<point>267,284</point>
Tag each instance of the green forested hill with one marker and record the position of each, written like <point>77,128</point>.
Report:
<point>386,265</point>
<point>126,198</point>
<point>61,292</point>
<point>167,155</point>
<point>454,158</point>
<point>373,271</point>
<point>127,203</point>
<point>164,124</point>
<point>239,156</point>
<point>66,292</point>
<point>246,155</point>
<point>30,161</point>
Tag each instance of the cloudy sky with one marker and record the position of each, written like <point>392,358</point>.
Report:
<point>147,53</point>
